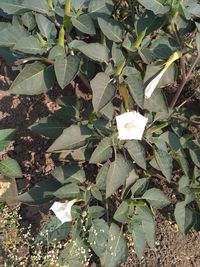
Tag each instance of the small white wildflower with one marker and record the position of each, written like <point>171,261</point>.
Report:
<point>63,210</point>
<point>131,125</point>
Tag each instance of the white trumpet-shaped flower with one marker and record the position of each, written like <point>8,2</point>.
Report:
<point>153,84</point>
<point>131,125</point>
<point>63,210</point>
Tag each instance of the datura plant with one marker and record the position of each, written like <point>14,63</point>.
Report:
<point>134,147</point>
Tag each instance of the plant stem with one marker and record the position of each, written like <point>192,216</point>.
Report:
<point>184,81</point>
<point>195,123</point>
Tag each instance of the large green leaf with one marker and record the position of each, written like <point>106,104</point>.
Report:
<point>184,217</point>
<point>10,35</point>
<point>156,198</point>
<point>137,152</point>
<point>139,239</point>
<point>69,173</point>
<point>95,51</point>
<point>10,168</point>
<point>40,193</point>
<point>100,8</point>
<point>68,191</point>
<point>154,5</point>
<point>53,231</point>
<point>37,5</point>
<point>139,187</point>
<point>72,137</point>
<point>117,174</point>
<point>122,212</point>
<point>66,69</point>
<point>12,6</point>
<point>46,27</point>
<point>136,87</point>
<point>98,236</point>
<point>95,212</point>
<point>3,145</point>
<point>165,163</point>
<point>101,177</point>
<point>103,151</point>
<point>111,29</point>
<point>34,79</point>
<point>117,249</point>
<point>7,134</point>
<point>156,103</point>
<point>103,90</point>
<point>28,20</point>
<point>29,45</point>
<point>84,24</point>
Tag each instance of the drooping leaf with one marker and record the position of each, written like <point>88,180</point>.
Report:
<point>165,163</point>
<point>69,173</point>
<point>29,45</point>
<point>111,29</point>
<point>117,174</point>
<point>139,239</point>
<point>101,177</point>
<point>136,87</point>
<point>10,168</point>
<point>184,217</point>
<point>98,236</point>
<point>66,69</point>
<point>53,231</point>
<point>34,79</point>
<point>117,249</point>
<point>139,187</point>
<point>40,193</point>
<point>156,198</point>
<point>103,90</point>
<point>84,24</point>
<point>137,152</point>
<point>122,212</point>
<point>68,191</point>
<point>72,137</point>
<point>103,151</point>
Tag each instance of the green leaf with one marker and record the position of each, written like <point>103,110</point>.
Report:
<point>137,152</point>
<point>111,29</point>
<point>139,239</point>
<point>156,103</point>
<point>72,137</point>
<point>184,217</point>
<point>56,51</point>
<point>40,193</point>
<point>98,236</point>
<point>12,6</point>
<point>34,79</point>
<point>68,191</point>
<point>49,126</point>
<point>103,91</point>
<point>28,20</point>
<point>101,177</point>
<point>10,168</point>
<point>148,225</point>
<point>165,163</point>
<point>122,212</point>
<point>99,8</point>
<point>95,51</point>
<point>155,6</point>
<point>10,35</point>
<point>53,231</point>
<point>75,253</point>
<point>149,21</point>
<point>95,212</point>
<point>66,69</point>
<point>7,134</point>
<point>37,5</point>
<point>96,193</point>
<point>139,187</point>
<point>29,45</point>
<point>84,24</point>
<point>156,198</point>
<point>46,27</point>
<point>136,87</point>
<point>103,151</point>
<point>117,249</point>
<point>69,173</point>
<point>3,145</point>
<point>117,174</point>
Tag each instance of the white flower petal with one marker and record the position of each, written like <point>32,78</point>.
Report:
<point>153,84</point>
<point>63,210</point>
<point>131,125</point>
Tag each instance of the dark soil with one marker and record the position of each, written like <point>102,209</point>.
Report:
<point>29,149</point>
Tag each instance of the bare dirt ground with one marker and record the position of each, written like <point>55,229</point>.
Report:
<point>28,148</point>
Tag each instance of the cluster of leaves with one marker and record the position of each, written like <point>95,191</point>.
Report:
<point>116,48</point>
